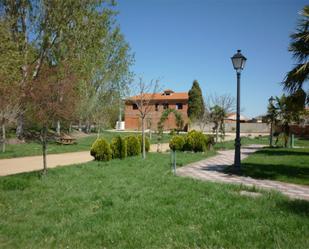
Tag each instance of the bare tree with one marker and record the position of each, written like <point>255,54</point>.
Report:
<point>145,94</point>
<point>226,102</point>
<point>204,119</point>
<point>219,107</point>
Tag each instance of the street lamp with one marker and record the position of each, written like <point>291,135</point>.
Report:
<point>271,104</point>
<point>238,61</point>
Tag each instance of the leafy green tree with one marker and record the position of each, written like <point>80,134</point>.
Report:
<point>286,113</point>
<point>196,107</point>
<point>217,115</point>
<point>83,34</point>
<point>11,62</point>
<point>299,46</point>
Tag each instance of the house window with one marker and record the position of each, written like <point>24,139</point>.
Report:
<point>179,106</point>
<point>165,106</point>
<point>134,106</point>
<point>157,107</point>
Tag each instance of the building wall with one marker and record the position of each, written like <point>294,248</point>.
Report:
<point>133,121</point>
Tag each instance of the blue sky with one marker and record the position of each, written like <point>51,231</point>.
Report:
<point>182,40</point>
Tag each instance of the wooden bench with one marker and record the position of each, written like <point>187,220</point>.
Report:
<point>66,140</point>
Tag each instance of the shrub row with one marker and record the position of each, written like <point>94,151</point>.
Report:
<point>194,141</point>
<point>119,147</point>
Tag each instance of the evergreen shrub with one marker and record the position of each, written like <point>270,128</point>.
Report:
<point>133,146</point>
<point>101,150</point>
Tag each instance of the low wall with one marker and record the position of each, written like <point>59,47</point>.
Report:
<point>298,130</point>
<point>231,127</point>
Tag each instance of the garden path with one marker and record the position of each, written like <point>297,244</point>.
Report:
<point>211,169</point>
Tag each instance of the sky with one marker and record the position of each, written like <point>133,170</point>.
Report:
<point>178,41</point>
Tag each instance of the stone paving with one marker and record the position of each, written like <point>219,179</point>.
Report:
<point>211,169</point>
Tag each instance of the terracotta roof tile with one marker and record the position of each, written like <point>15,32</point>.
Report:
<point>161,96</point>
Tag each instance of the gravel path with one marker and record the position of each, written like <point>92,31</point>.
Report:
<point>33,163</point>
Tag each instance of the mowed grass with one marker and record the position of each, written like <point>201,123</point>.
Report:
<point>83,144</point>
<point>138,203</point>
<point>281,164</point>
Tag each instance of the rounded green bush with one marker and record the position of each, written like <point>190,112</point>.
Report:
<point>147,143</point>
<point>177,142</point>
<point>119,147</point>
<point>133,146</point>
<point>195,141</point>
<point>101,150</point>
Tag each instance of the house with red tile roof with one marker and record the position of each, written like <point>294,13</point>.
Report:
<point>168,99</point>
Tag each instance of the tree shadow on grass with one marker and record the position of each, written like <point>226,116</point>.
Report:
<point>281,152</point>
<point>299,207</point>
<point>273,172</point>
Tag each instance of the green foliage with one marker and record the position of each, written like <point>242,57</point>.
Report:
<point>164,116</point>
<point>217,115</point>
<point>101,150</point>
<point>196,107</point>
<point>147,143</point>
<point>173,132</point>
<point>296,78</point>
<point>197,141</point>
<point>82,34</point>
<point>119,147</point>
<point>285,111</point>
<point>177,142</point>
<point>133,146</point>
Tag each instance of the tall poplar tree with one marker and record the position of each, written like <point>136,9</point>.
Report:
<point>196,107</point>
<point>82,34</point>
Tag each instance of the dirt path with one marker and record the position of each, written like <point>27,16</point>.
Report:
<point>34,163</point>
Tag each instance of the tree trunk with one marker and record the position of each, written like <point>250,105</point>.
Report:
<point>80,125</point>
<point>70,128</point>
<point>44,149</point>
<point>286,135</point>
<point>23,51</point>
<point>143,138</point>
<point>88,128</point>
<point>58,128</point>
<point>217,135</point>
<point>150,134</point>
<point>3,137</point>
<point>99,130</point>
<point>20,126</point>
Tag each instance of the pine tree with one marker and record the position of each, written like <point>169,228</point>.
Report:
<point>196,107</point>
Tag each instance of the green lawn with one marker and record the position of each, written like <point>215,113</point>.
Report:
<point>140,204</point>
<point>281,164</point>
<point>35,148</point>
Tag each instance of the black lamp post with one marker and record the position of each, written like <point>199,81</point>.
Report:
<point>271,103</point>
<point>238,61</point>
